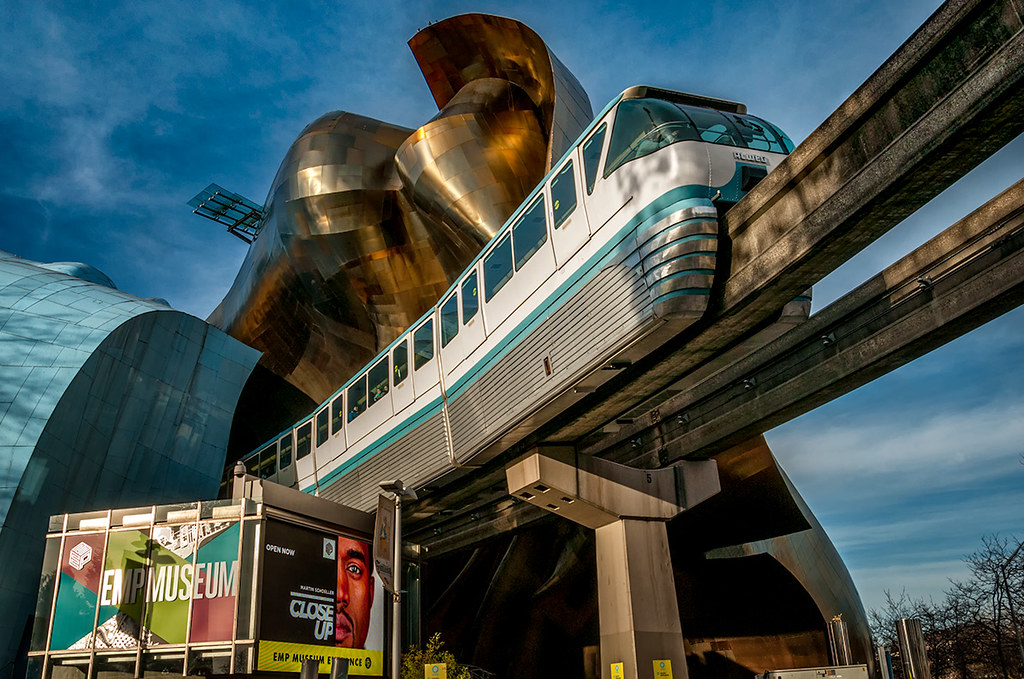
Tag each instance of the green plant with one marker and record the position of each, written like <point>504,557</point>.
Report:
<point>434,652</point>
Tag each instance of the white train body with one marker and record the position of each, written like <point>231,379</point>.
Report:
<point>603,280</point>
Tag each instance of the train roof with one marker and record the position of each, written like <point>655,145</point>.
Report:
<point>641,91</point>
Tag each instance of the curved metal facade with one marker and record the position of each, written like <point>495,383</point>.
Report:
<point>368,223</point>
<point>105,399</point>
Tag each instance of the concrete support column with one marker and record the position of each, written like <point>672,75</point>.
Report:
<point>628,508</point>
<point>637,604</point>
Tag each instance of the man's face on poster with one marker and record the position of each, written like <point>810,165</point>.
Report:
<point>354,594</point>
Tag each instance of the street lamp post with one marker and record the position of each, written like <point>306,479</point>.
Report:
<point>400,490</point>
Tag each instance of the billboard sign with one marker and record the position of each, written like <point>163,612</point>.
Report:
<point>319,599</point>
<point>124,586</point>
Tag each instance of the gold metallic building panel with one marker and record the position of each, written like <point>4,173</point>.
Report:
<point>342,263</point>
<point>458,50</point>
<point>477,160</point>
<point>366,223</point>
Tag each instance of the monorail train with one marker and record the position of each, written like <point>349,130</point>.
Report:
<point>610,256</point>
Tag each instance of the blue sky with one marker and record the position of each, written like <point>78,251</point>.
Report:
<point>115,114</point>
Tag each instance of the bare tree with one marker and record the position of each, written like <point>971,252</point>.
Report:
<point>975,631</point>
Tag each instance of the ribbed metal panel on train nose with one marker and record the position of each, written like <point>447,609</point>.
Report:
<point>678,255</point>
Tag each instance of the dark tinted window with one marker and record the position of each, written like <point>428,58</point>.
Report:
<point>400,359</point>
<point>357,398</point>
<point>337,407</point>
<point>713,126</point>
<point>470,298</point>
<point>592,155</point>
<point>268,460</point>
<point>423,344</point>
<point>303,444</point>
<point>322,419</point>
<point>563,194</point>
<point>529,233</point>
<point>642,126</point>
<point>286,450</point>
<point>787,143</point>
<point>497,267</point>
<point>756,134</point>
<point>449,320</point>
<point>379,380</point>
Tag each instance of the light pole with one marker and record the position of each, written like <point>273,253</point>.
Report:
<point>400,490</point>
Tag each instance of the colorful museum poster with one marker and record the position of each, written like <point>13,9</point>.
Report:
<point>320,599</point>
<point>170,581</point>
<point>122,589</point>
<point>216,585</point>
<point>81,569</point>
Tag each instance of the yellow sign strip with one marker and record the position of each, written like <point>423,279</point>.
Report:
<point>283,656</point>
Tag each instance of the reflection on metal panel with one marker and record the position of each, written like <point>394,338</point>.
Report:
<point>109,399</point>
<point>366,223</point>
<point>458,50</point>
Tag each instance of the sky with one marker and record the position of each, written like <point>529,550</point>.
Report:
<point>114,115</point>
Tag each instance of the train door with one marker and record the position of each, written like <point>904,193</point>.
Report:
<point>402,394</point>
<point>286,472</point>
<point>305,464</point>
<point>369,400</point>
<point>461,327</point>
<point>569,221</point>
<point>425,376</point>
<point>591,153</point>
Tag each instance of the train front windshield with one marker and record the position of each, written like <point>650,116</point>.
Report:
<point>642,126</point>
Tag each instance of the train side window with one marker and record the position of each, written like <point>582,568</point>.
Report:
<point>449,320</point>
<point>713,126</point>
<point>400,359</point>
<point>423,344</point>
<point>592,155</point>
<point>252,463</point>
<point>357,398</point>
<point>337,408</point>
<point>563,194</point>
<point>497,267</point>
<point>268,460</point>
<point>322,432</point>
<point>303,443</point>
<point>379,381</point>
<point>286,450</point>
<point>643,126</point>
<point>529,233</point>
<point>470,298</point>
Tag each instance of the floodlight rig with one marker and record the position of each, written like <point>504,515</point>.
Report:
<point>242,216</point>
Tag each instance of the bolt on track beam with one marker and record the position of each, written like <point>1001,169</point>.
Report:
<point>967,275</point>
<point>948,98</point>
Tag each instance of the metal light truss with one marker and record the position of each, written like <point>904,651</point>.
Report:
<point>238,213</point>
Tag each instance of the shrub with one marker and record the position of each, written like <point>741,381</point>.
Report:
<point>434,652</point>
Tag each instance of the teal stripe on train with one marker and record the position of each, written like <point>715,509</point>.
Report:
<point>406,427</point>
<point>620,245</point>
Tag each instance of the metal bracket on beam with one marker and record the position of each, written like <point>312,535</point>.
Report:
<point>596,492</point>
